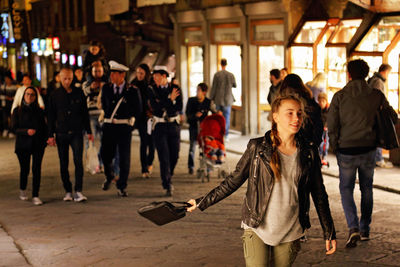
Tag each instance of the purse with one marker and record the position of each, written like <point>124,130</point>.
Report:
<point>163,212</point>
<point>386,132</point>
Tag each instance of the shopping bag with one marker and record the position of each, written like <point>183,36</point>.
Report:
<point>163,212</point>
<point>92,160</point>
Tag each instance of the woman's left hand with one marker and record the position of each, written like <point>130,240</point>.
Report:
<point>330,246</point>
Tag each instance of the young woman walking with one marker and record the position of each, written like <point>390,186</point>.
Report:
<point>29,124</point>
<point>282,170</point>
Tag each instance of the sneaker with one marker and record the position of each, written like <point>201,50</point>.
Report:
<point>36,201</point>
<point>22,195</point>
<point>79,197</point>
<point>354,237</point>
<point>150,169</point>
<point>106,185</point>
<point>169,191</point>
<point>122,193</point>
<point>145,175</point>
<point>11,135</point>
<point>5,133</point>
<point>68,196</point>
<point>190,170</point>
<point>364,236</point>
<point>384,164</point>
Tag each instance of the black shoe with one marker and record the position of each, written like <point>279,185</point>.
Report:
<point>354,237</point>
<point>106,185</point>
<point>168,193</point>
<point>122,193</point>
<point>190,170</point>
<point>364,236</point>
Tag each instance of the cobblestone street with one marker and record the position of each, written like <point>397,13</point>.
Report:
<point>108,231</point>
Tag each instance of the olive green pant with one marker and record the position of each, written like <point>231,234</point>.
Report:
<point>257,253</point>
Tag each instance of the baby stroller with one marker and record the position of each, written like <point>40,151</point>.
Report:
<point>211,146</point>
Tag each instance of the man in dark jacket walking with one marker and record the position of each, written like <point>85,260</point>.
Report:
<point>68,117</point>
<point>377,81</point>
<point>352,136</point>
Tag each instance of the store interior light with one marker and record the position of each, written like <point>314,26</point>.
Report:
<point>56,43</point>
<point>72,60</point>
<point>26,54</point>
<point>64,58</point>
<point>57,56</point>
<point>80,61</point>
<point>40,53</point>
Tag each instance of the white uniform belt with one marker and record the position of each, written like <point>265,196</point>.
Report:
<point>130,121</point>
<point>170,119</point>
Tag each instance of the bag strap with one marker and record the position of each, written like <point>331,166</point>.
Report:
<point>116,108</point>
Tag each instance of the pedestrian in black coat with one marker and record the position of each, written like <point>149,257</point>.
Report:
<point>28,122</point>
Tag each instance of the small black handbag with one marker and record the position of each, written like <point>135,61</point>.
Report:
<point>163,212</point>
<point>386,131</point>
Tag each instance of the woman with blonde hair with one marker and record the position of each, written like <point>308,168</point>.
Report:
<point>282,170</point>
<point>317,85</point>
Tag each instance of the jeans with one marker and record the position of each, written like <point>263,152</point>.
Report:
<point>117,137</point>
<point>95,126</point>
<point>378,155</point>
<point>193,132</point>
<point>167,137</point>
<point>257,253</point>
<point>348,166</point>
<point>24,162</point>
<point>146,147</point>
<point>226,111</point>
<point>324,146</point>
<point>64,141</point>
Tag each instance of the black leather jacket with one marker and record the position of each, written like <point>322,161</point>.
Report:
<point>254,166</point>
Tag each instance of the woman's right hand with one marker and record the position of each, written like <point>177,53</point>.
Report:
<point>193,207</point>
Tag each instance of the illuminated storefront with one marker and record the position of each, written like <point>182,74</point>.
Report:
<point>336,57</point>
<point>381,45</point>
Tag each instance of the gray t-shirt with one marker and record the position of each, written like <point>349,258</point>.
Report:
<point>281,222</point>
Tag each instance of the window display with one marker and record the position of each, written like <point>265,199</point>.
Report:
<point>195,68</point>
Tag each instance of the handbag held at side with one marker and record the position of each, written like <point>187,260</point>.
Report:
<point>164,212</point>
<point>386,132</point>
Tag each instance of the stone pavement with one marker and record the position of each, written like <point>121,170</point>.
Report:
<point>107,231</point>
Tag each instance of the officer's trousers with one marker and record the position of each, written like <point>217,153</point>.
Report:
<point>167,137</point>
<point>116,135</point>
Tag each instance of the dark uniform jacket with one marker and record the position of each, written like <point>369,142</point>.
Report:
<point>254,166</point>
<point>160,101</point>
<point>143,90</point>
<point>131,106</point>
<point>29,117</point>
<point>68,112</point>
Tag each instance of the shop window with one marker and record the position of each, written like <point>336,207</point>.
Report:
<point>310,32</point>
<point>302,62</point>
<point>233,55</point>
<point>381,35</point>
<point>269,57</point>
<point>195,68</point>
<point>345,32</point>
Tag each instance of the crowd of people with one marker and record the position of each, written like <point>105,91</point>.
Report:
<point>282,168</point>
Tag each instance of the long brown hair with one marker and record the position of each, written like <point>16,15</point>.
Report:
<point>276,140</point>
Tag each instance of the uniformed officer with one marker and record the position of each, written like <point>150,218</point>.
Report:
<point>166,103</point>
<point>121,104</point>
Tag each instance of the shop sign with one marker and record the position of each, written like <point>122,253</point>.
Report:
<point>64,59</point>
<point>72,60</point>
<point>79,61</point>
<point>56,43</point>
<point>42,45</point>
<point>5,29</point>
<point>142,3</point>
<point>17,20</point>
<point>35,45</point>
<point>57,56</point>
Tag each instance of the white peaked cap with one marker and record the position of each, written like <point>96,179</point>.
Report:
<point>114,65</point>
